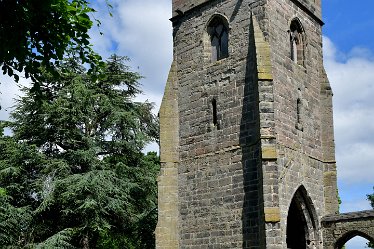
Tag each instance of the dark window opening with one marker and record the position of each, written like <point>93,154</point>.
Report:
<point>298,111</point>
<point>299,124</point>
<point>214,107</point>
<point>219,39</point>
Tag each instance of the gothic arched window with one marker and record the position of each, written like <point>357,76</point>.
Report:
<point>297,42</point>
<point>219,39</point>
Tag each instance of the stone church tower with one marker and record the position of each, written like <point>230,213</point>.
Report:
<point>247,145</point>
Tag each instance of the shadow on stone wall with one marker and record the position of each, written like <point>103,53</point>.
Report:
<point>252,214</point>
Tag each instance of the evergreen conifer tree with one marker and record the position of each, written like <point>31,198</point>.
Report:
<point>73,174</point>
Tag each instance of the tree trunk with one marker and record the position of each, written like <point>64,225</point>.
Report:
<point>86,242</point>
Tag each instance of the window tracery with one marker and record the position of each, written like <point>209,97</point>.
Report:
<point>219,39</point>
<point>297,42</point>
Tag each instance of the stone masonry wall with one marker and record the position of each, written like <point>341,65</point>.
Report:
<point>300,160</point>
<point>219,178</point>
<point>338,229</point>
<point>313,6</point>
<point>236,178</point>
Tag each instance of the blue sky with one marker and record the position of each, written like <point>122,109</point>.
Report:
<point>350,28</point>
<point>349,23</point>
<point>349,61</point>
<point>141,30</point>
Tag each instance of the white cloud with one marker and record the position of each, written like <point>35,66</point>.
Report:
<point>355,162</point>
<point>142,31</point>
<point>356,243</point>
<point>9,91</point>
<point>352,79</point>
<point>354,204</point>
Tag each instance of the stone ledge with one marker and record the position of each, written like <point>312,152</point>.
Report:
<point>348,216</point>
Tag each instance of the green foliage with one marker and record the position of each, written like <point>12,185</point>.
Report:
<point>370,245</point>
<point>16,181</point>
<point>59,240</point>
<point>36,33</point>
<point>371,199</point>
<point>74,168</point>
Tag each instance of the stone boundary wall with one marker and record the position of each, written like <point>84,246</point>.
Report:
<point>340,228</point>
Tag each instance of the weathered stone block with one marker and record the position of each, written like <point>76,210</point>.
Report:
<point>269,153</point>
<point>272,215</point>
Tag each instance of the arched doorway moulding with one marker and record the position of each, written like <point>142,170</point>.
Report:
<point>302,223</point>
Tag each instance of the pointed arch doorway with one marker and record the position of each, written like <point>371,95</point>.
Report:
<point>302,230</point>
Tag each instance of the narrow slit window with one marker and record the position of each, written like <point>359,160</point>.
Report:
<point>299,122</point>
<point>214,108</point>
<point>298,111</point>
